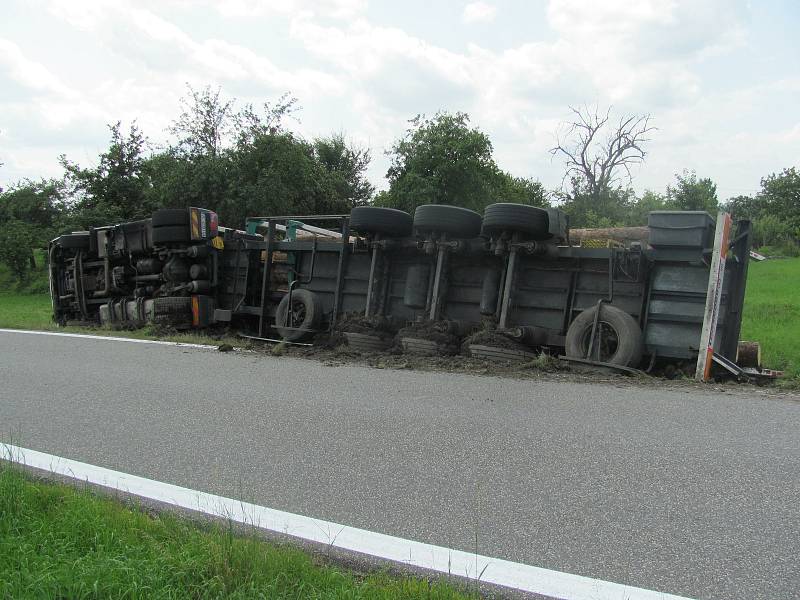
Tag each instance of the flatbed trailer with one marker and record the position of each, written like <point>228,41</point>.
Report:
<point>512,270</point>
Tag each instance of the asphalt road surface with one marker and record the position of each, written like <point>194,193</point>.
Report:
<point>696,494</point>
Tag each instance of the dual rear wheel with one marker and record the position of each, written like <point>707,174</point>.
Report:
<point>457,222</point>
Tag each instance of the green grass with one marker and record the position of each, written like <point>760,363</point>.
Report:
<point>60,542</point>
<point>772,313</point>
<point>18,311</point>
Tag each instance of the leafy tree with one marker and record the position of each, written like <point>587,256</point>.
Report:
<point>346,167</point>
<point>609,208</point>
<point>250,123</point>
<point>278,173</point>
<point>780,196</point>
<point>205,121</point>
<point>691,193</point>
<point>114,190</point>
<point>745,207</point>
<point>771,230</point>
<point>441,160</point>
<point>40,206</point>
<point>17,241</point>
<point>640,208</point>
<point>519,190</point>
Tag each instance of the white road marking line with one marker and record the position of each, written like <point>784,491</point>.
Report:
<point>436,558</point>
<point>109,337</point>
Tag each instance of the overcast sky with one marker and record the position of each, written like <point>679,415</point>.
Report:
<point>721,78</point>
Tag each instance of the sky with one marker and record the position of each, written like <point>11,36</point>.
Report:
<point>720,78</point>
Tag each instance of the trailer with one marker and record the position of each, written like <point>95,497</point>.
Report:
<point>513,271</point>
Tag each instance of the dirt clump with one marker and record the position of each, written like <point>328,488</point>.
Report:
<point>493,339</point>
<point>447,342</point>
<point>380,327</point>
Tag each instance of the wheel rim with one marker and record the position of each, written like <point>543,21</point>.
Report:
<point>605,345</point>
<point>298,314</point>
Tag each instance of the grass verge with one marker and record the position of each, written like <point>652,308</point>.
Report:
<point>772,315</point>
<point>57,541</point>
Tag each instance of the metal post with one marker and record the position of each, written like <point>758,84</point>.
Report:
<point>265,280</point>
<point>716,275</point>
<point>506,300</point>
<point>371,280</point>
<point>437,283</point>
<point>736,290</point>
<point>342,268</point>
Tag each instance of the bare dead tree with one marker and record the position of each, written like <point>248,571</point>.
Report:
<point>599,152</point>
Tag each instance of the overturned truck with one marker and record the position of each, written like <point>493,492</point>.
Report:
<point>511,271</point>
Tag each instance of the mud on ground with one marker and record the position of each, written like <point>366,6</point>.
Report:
<point>331,351</point>
<point>380,327</point>
<point>448,343</point>
<point>494,339</point>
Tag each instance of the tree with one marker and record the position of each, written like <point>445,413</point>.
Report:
<point>250,124</point>
<point>691,193</point>
<point>346,166</point>
<point>38,205</point>
<point>745,207</point>
<point>116,189</point>
<point>600,153</point>
<point>519,190</point>
<point>205,121</point>
<point>780,195</point>
<point>640,208</point>
<point>771,230</point>
<point>606,208</point>
<point>441,160</point>
<point>17,241</point>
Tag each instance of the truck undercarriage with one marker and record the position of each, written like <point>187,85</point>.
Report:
<point>512,271</point>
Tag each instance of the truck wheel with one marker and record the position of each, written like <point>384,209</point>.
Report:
<point>504,216</point>
<point>618,337</point>
<point>170,234</point>
<point>74,240</point>
<point>442,218</point>
<point>306,315</point>
<point>375,219</point>
<point>171,216</point>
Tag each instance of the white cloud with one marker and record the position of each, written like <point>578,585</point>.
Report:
<point>362,72</point>
<point>479,12</point>
<point>335,9</point>
<point>29,74</point>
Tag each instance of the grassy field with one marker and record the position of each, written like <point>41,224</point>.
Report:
<point>25,311</point>
<point>772,312</point>
<point>60,542</point>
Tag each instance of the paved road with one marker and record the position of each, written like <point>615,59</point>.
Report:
<point>697,495</point>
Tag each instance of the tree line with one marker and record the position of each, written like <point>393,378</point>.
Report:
<point>246,161</point>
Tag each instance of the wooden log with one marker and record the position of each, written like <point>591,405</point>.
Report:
<point>619,234</point>
<point>748,354</point>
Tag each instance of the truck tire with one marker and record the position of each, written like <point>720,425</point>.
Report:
<point>620,336</point>
<point>442,218</point>
<point>375,219</point>
<point>171,216</point>
<point>171,234</point>
<point>306,318</point>
<point>74,240</point>
<point>530,220</point>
